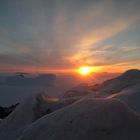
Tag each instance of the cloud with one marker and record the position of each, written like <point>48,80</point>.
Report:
<point>65,34</point>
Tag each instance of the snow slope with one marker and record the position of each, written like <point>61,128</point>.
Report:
<point>131,96</point>
<point>78,114</point>
<point>127,79</point>
<point>115,85</point>
<point>87,119</point>
<point>27,112</point>
<point>78,92</point>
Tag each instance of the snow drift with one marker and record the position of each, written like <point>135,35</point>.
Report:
<point>27,112</point>
<point>87,119</point>
<point>78,114</point>
<point>131,96</point>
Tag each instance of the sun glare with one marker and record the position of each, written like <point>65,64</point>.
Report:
<point>85,70</point>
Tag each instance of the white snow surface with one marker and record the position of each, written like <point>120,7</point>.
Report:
<point>78,114</point>
<point>131,96</point>
<point>127,79</point>
<point>78,92</point>
<point>87,119</point>
<point>27,112</point>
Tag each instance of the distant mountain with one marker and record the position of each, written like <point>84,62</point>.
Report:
<point>127,79</point>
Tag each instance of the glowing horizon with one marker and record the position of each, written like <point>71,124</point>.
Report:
<point>93,70</point>
<point>61,36</point>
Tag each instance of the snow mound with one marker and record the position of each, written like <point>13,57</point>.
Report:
<point>127,79</point>
<point>131,96</point>
<point>77,92</point>
<point>27,112</point>
<point>87,119</point>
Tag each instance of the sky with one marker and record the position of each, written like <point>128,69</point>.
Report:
<point>62,35</point>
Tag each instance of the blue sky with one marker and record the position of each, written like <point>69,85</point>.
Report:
<point>65,34</point>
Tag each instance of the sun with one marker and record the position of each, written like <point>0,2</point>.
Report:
<point>84,70</point>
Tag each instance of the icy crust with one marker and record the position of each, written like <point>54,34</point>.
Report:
<point>87,119</point>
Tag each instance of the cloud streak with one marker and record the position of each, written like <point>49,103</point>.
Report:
<point>66,34</point>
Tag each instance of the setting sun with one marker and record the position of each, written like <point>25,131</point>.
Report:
<point>85,70</point>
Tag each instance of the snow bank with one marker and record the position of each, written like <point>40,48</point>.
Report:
<point>87,119</point>
<point>27,112</point>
